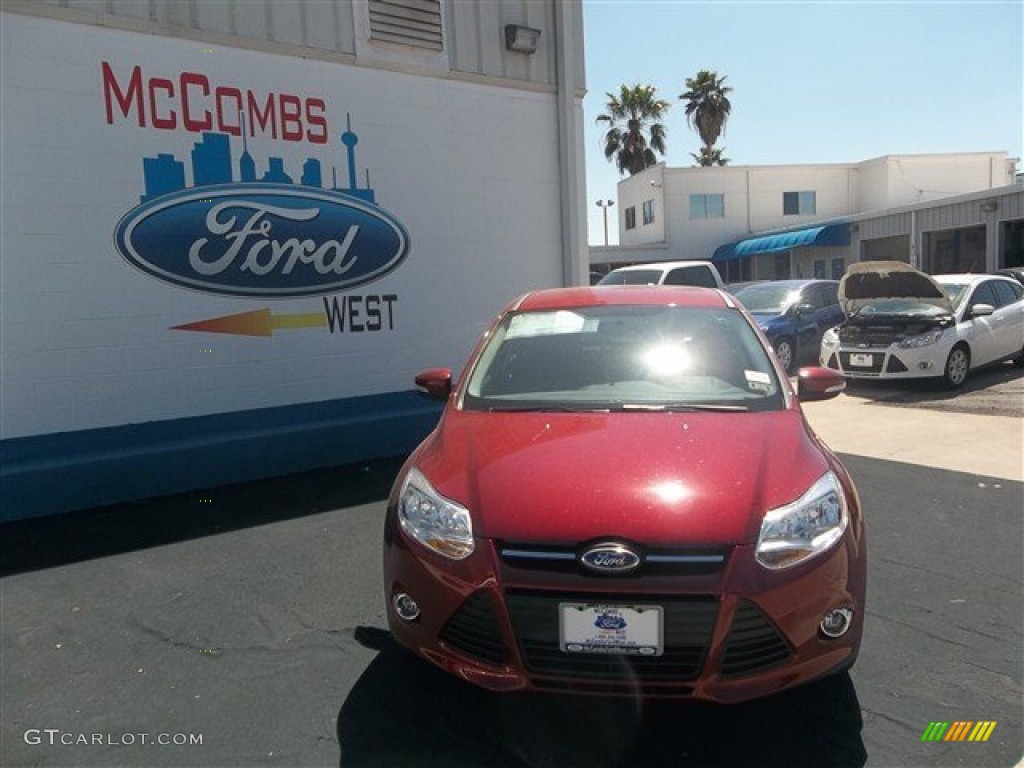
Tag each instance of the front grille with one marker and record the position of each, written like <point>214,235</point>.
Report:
<point>688,623</point>
<point>877,359</point>
<point>753,643</point>
<point>878,336</point>
<point>563,558</point>
<point>473,629</point>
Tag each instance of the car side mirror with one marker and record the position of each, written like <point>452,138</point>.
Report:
<point>799,310</point>
<point>982,310</point>
<point>435,383</point>
<point>818,384</point>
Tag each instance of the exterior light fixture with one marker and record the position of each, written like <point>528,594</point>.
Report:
<point>989,205</point>
<point>605,205</point>
<point>522,39</point>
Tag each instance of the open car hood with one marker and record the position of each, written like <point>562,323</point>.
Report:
<point>869,281</point>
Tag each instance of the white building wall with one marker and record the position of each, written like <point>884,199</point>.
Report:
<point>753,197</point>
<point>337,28</point>
<point>89,341</point>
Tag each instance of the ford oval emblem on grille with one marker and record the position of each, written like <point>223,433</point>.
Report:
<point>610,558</point>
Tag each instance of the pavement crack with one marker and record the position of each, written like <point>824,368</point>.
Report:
<point>166,639</point>
<point>895,721</point>
<point>925,632</point>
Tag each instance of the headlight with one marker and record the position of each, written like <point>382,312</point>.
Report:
<point>913,342</point>
<point>809,526</point>
<point>434,521</point>
<point>830,337</point>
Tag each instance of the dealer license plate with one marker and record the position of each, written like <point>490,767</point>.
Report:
<point>862,361</point>
<point>633,630</point>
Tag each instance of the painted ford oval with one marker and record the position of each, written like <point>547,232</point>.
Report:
<point>610,557</point>
<point>262,240</point>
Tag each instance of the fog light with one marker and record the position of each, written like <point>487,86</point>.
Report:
<point>926,366</point>
<point>837,622</point>
<point>406,607</point>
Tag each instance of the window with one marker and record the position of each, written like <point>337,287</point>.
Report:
<point>829,294</point>
<point>838,267</point>
<point>821,295</point>
<point>631,217</point>
<point>695,275</point>
<point>1007,293</point>
<point>781,266</point>
<point>707,206</point>
<point>799,203</point>
<point>985,294</point>
<point>648,212</point>
<point>819,269</point>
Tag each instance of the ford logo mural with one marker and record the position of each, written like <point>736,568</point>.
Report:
<point>262,240</point>
<point>610,557</point>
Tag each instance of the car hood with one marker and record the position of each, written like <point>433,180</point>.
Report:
<point>766,319</point>
<point>869,281</point>
<point>656,478</point>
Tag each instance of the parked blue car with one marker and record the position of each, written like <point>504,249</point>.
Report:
<point>794,314</point>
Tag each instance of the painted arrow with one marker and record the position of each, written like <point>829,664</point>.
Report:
<point>258,322</point>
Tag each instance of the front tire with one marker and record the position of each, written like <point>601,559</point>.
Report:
<point>957,366</point>
<point>786,352</point>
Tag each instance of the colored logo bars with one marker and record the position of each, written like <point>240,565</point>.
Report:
<point>961,730</point>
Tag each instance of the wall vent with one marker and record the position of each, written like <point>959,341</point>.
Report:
<point>407,22</point>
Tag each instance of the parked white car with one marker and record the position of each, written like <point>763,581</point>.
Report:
<point>903,324</point>
<point>700,273</point>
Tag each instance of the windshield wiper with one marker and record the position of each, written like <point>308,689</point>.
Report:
<point>546,408</point>
<point>679,407</point>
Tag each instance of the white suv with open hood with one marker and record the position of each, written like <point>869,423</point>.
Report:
<point>903,324</point>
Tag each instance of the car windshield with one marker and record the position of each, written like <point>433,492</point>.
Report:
<point>632,277</point>
<point>900,308</point>
<point>622,358</point>
<point>955,291</point>
<point>767,299</point>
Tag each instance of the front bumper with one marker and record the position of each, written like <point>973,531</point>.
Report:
<point>731,633</point>
<point>891,362</point>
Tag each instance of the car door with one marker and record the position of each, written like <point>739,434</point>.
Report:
<point>1008,319</point>
<point>980,332</point>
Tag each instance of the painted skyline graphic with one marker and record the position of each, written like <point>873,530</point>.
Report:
<point>211,163</point>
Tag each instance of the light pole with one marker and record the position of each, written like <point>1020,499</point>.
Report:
<point>604,205</point>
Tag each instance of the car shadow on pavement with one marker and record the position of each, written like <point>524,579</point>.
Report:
<point>995,391</point>
<point>404,712</point>
<point>46,542</point>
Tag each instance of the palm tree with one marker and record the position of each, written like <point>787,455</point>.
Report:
<point>634,133</point>
<point>710,156</point>
<point>707,110</point>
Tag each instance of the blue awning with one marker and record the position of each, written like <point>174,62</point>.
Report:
<point>825,235</point>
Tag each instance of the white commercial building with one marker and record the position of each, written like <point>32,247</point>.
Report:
<point>234,231</point>
<point>800,220</point>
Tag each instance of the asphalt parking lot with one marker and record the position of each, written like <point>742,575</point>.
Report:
<point>250,619</point>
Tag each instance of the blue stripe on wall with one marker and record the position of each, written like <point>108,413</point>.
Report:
<point>53,473</point>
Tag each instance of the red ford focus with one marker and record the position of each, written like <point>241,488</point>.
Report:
<point>623,497</point>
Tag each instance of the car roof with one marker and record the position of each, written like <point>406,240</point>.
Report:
<point>795,283</point>
<point>661,265</point>
<point>969,277</point>
<point>621,295</point>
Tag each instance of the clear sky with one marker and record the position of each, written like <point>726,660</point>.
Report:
<point>825,82</point>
